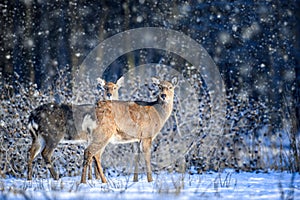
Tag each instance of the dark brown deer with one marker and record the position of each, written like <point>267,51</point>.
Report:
<point>126,122</point>
<point>50,124</point>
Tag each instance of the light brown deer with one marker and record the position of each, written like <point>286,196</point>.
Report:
<point>126,122</point>
<point>50,124</point>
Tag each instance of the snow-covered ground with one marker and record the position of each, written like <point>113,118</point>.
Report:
<point>225,185</point>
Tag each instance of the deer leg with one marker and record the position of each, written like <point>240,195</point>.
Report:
<point>90,175</point>
<point>47,154</point>
<point>33,152</point>
<point>93,151</point>
<point>146,144</point>
<point>98,164</point>
<point>88,158</point>
<point>97,160</point>
<point>101,146</point>
<point>137,152</point>
<point>87,161</point>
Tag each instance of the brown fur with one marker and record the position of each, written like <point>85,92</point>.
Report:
<point>51,123</point>
<point>125,122</point>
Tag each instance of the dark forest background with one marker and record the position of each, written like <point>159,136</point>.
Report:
<point>255,44</point>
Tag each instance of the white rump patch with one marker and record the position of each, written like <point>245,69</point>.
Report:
<point>42,144</point>
<point>33,127</point>
<point>88,123</point>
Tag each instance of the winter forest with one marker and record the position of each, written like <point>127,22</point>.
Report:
<point>253,126</point>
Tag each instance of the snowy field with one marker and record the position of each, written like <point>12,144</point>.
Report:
<point>236,104</point>
<point>225,185</point>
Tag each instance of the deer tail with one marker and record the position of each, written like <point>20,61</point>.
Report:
<point>33,127</point>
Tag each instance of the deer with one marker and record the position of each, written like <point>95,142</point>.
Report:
<point>127,122</point>
<point>53,123</point>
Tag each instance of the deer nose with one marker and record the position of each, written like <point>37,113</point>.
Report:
<point>108,95</point>
<point>163,96</point>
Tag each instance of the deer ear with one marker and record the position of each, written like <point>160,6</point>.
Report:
<point>174,81</point>
<point>101,82</point>
<point>120,82</point>
<point>152,84</point>
<point>155,80</point>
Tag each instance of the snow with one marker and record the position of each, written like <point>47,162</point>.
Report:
<point>253,45</point>
<point>212,185</point>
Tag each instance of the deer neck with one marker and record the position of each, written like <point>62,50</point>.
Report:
<point>164,109</point>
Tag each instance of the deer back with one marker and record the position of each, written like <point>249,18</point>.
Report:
<point>56,122</point>
<point>131,119</point>
<point>49,120</point>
